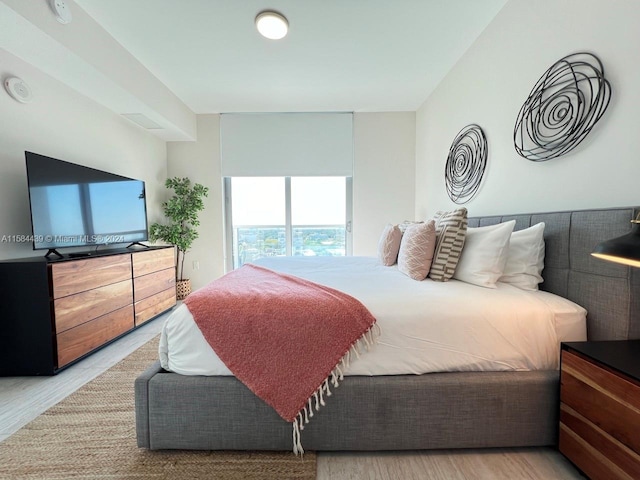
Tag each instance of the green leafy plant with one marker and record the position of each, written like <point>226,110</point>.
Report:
<point>182,209</point>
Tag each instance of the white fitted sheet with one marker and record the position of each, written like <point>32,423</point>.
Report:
<point>425,326</point>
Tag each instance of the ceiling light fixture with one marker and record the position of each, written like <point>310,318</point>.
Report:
<point>272,25</point>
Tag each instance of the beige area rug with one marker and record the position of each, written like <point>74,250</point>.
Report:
<point>91,435</point>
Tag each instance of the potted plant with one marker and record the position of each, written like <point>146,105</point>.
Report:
<point>182,209</point>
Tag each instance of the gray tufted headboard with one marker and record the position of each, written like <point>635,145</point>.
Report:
<point>610,292</point>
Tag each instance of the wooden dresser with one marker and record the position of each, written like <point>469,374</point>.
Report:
<point>154,283</point>
<point>600,408</point>
<point>53,313</point>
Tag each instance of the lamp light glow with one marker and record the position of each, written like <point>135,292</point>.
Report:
<point>624,249</point>
<point>272,25</point>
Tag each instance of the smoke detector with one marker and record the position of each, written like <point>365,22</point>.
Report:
<point>61,10</point>
<point>18,89</point>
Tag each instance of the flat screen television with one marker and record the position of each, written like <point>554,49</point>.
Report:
<point>77,206</point>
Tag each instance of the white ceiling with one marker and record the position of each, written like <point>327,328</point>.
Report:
<point>355,55</point>
<point>168,60</point>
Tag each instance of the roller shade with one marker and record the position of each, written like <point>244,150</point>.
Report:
<point>286,144</point>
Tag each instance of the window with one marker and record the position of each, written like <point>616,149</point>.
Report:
<point>278,216</point>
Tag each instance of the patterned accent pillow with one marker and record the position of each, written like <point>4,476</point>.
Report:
<point>389,245</point>
<point>416,250</point>
<point>451,228</point>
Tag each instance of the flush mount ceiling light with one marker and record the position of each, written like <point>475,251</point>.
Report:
<point>272,25</point>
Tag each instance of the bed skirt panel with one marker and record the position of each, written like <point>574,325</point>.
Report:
<point>404,412</point>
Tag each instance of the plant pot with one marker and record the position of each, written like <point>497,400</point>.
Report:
<point>183,288</point>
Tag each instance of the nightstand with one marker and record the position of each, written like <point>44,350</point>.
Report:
<point>600,408</point>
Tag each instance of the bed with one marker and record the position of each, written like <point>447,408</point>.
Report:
<point>480,407</point>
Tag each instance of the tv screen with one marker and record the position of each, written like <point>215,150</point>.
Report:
<point>74,206</point>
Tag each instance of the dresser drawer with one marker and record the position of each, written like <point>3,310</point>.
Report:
<point>75,342</point>
<point>77,276</point>
<point>153,261</point>
<point>595,393</point>
<point>153,283</point>
<point>151,306</point>
<point>76,309</point>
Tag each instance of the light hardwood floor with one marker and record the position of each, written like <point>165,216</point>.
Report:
<point>489,464</point>
<point>24,398</point>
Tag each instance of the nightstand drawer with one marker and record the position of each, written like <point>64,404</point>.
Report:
<point>596,452</point>
<point>596,394</point>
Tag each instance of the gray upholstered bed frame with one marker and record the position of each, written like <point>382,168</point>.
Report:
<point>439,410</point>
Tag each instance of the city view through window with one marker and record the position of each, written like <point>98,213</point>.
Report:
<point>316,226</point>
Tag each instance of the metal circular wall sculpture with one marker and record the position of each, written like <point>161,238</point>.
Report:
<point>562,108</point>
<point>465,164</point>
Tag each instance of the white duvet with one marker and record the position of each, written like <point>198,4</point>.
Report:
<point>425,326</point>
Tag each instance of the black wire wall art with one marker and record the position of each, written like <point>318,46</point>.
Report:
<point>466,163</point>
<point>563,107</point>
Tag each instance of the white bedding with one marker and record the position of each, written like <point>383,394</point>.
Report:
<point>425,326</point>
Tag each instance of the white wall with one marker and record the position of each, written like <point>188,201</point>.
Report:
<point>200,161</point>
<point>492,80</point>
<point>383,175</point>
<point>63,124</point>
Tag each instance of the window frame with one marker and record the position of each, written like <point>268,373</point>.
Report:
<point>228,220</point>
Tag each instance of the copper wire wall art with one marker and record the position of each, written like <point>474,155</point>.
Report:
<point>562,108</point>
<point>465,164</point>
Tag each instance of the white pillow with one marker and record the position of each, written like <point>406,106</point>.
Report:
<point>484,254</point>
<point>526,258</point>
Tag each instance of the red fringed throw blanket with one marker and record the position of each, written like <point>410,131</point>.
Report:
<point>287,339</point>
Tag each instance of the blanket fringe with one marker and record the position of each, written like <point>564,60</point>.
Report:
<point>366,341</point>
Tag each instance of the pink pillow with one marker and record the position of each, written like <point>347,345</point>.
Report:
<point>389,244</point>
<point>416,250</point>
